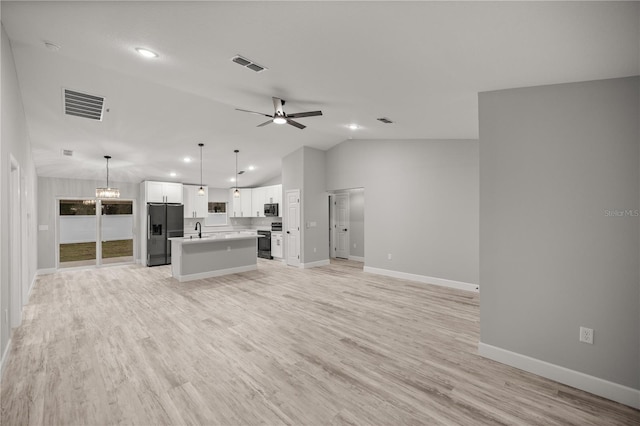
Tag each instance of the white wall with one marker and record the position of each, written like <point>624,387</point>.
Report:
<point>553,161</point>
<point>14,142</point>
<point>51,189</point>
<point>422,203</point>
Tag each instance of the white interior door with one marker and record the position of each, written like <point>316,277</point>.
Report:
<point>341,225</point>
<point>292,226</point>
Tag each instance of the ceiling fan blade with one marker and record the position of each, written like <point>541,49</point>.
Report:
<point>265,123</point>
<point>277,106</point>
<point>254,112</point>
<point>304,114</point>
<point>295,124</point>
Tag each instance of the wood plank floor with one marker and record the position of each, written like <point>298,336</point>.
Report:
<point>323,346</point>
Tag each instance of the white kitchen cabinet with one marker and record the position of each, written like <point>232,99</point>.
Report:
<point>258,201</point>
<point>195,205</point>
<point>242,204</point>
<point>274,195</point>
<point>163,192</point>
<point>276,245</point>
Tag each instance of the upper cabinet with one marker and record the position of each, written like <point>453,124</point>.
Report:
<point>163,192</point>
<point>273,195</point>
<point>265,195</point>
<point>241,205</point>
<point>195,205</point>
<point>257,201</point>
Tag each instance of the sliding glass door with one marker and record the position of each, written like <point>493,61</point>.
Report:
<point>116,231</point>
<point>94,232</point>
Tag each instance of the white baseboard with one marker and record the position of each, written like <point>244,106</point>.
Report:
<point>5,358</point>
<point>357,258</point>
<point>46,271</point>
<point>423,279</point>
<point>324,262</point>
<point>604,388</point>
<point>218,273</point>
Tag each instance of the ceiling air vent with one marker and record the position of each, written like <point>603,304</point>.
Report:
<point>83,105</point>
<point>248,63</point>
<point>384,120</point>
<point>67,153</point>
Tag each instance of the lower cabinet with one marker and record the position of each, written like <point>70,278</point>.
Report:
<point>276,245</point>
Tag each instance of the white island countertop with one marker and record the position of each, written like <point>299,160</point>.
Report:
<point>215,237</point>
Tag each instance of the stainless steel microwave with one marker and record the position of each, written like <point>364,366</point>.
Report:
<point>271,209</point>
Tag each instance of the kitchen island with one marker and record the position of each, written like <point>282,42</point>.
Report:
<point>194,258</point>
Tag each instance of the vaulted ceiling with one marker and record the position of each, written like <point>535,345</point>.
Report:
<point>421,64</point>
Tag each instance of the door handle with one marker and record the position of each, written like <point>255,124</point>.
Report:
<point>288,232</point>
<point>345,229</point>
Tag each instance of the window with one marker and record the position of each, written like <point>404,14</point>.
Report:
<point>217,214</point>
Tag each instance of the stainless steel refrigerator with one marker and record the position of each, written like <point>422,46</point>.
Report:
<point>165,221</point>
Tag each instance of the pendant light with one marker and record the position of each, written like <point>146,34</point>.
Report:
<point>107,192</point>
<point>236,193</point>
<point>201,190</point>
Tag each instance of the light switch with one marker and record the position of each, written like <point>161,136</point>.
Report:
<point>43,227</point>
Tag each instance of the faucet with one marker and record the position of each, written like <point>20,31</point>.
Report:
<point>200,231</point>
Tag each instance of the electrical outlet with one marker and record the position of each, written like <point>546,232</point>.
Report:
<point>354,245</point>
<point>228,248</point>
<point>314,250</point>
<point>6,316</point>
<point>389,256</point>
<point>586,335</point>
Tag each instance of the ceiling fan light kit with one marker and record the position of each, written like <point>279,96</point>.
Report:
<point>281,117</point>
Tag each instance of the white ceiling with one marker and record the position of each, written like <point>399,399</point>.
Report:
<point>419,63</point>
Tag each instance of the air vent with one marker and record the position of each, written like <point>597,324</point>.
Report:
<point>384,120</point>
<point>67,153</point>
<point>247,63</point>
<point>83,105</point>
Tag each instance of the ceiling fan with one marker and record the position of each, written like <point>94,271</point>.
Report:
<point>280,117</point>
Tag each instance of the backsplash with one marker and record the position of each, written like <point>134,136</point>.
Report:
<point>234,223</point>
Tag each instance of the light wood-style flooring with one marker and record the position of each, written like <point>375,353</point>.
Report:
<point>323,346</point>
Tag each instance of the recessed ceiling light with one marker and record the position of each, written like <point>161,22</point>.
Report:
<point>353,126</point>
<point>146,52</point>
<point>232,179</point>
<point>252,168</point>
<point>187,159</point>
<point>173,174</point>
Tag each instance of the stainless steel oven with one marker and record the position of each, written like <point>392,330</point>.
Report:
<point>264,245</point>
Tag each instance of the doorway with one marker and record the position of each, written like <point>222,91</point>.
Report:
<point>94,232</point>
<point>346,224</point>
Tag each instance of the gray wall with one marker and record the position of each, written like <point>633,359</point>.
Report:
<point>304,169</point>
<point>50,189</point>
<point>356,222</point>
<point>316,207</point>
<point>14,141</point>
<point>292,178</point>
<point>553,161</point>
<point>422,203</point>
